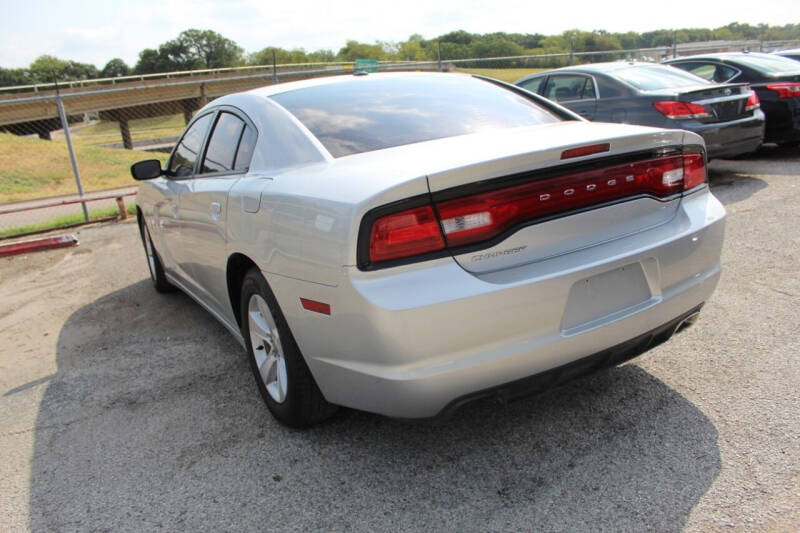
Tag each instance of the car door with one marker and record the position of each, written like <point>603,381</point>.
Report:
<point>576,92</point>
<point>204,206</point>
<point>180,170</point>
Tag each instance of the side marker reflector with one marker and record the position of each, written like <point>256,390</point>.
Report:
<point>317,307</point>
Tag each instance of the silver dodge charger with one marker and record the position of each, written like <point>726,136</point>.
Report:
<point>405,243</point>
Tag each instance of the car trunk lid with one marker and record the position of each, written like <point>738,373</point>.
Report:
<point>724,102</point>
<point>573,203</point>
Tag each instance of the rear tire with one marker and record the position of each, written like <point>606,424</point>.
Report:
<point>160,281</point>
<point>281,373</point>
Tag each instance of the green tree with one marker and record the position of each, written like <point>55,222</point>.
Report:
<point>149,62</point>
<point>321,56</point>
<point>192,49</point>
<point>264,57</point>
<point>46,68</point>
<point>115,68</point>
<point>355,50</point>
<point>14,76</point>
<point>210,48</point>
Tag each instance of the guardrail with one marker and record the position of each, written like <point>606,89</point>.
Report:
<point>51,210</point>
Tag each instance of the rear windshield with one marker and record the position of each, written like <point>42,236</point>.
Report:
<point>769,64</point>
<point>374,112</point>
<point>654,77</point>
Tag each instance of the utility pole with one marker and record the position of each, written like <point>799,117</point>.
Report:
<point>571,49</point>
<point>674,44</point>
<point>65,125</point>
<point>274,67</point>
<point>439,55</point>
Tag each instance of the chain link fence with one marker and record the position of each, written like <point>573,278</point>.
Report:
<point>66,150</point>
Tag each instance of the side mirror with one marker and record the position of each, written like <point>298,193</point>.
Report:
<point>146,170</point>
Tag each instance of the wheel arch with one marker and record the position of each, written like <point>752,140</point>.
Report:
<point>238,265</point>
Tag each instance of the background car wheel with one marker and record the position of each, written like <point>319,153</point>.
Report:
<point>281,373</point>
<point>153,262</point>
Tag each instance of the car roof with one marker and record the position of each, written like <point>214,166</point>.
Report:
<point>793,51</point>
<point>593,68</point>
<point>720,55</point>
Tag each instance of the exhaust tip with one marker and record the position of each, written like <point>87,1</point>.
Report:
<point>686,322</point>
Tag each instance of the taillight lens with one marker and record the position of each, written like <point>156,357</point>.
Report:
<point>480,217</point>
<point>752,102</point>
<point>681,110</point>
<point>483,216</point>
<point>694,171</point>
<point>405,233</point>
<point>785,90</point>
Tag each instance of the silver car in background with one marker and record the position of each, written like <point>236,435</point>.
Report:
<point>404,243</point>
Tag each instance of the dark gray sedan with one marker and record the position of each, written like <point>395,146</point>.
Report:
<point>727,116</point>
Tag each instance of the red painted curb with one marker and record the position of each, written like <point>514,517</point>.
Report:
<point>37,245</point>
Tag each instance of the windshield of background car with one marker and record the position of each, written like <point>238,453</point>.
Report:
<point>366,114</point>
<point>657,77</point>
<point>769,64</point>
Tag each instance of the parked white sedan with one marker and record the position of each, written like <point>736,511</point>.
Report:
<point>403,243</point>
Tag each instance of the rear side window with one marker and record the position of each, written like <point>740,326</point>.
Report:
<point>715,72</point>
<point>533,85</point>
<point>223,143</point>
<point>245,152</point>
<point>375,112</point>
<point>188,149</point>
<point>569,87</point>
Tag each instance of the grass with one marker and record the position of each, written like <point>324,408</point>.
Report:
<point>66,220</point>
<point>106,131</point>
<point>34,168</point>
<point>509,75</point>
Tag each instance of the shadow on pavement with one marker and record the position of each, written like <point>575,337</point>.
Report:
<point>732,187</point>
<point>153,420</point>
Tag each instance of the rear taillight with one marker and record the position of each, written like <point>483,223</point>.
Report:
<point>405,233</point>
<point>475,218</point>
<point>694,171</point>
<point>681,110</point>
<point>785,90</point>
<point>752,102</point>
<point>483,216</point>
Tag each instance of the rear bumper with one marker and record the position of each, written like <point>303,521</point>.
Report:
<point>732,138</point>
<point>604,359</point>
<point>413,341</point>
<point>783,120</point>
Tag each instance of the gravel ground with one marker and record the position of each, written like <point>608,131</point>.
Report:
<point>122,409</point>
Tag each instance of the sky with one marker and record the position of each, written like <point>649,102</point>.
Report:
<point>94,31</point>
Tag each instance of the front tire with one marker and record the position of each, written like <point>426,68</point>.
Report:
<point>281,373</point>
<point>160,282</point>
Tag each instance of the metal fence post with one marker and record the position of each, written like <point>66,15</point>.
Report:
<point>571,50</point>
<point>274,67</point>
<point>439,55</point>
<point>674,44</point>
<point>65,124</point>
